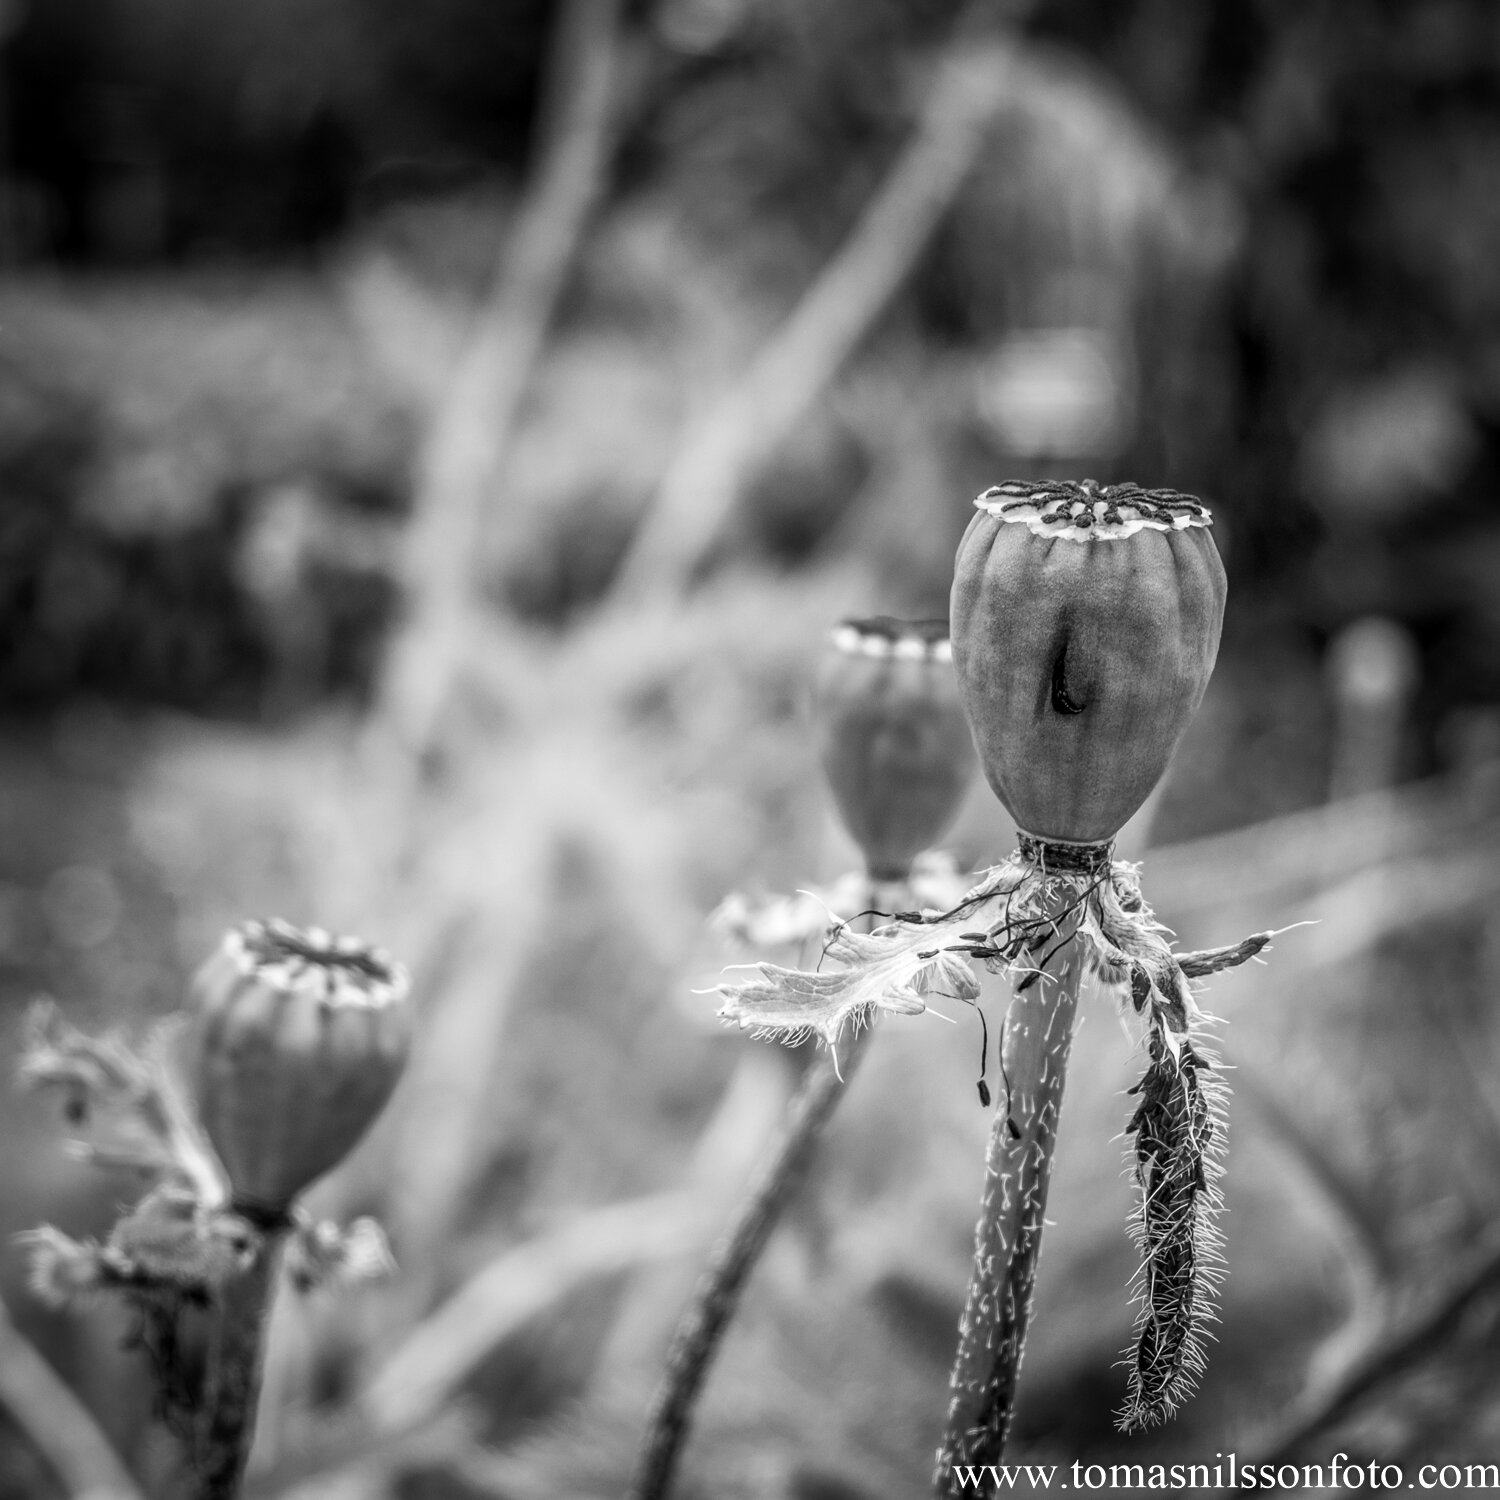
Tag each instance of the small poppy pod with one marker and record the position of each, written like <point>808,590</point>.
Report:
<point>1086,621</point>
<point>296,1041</point>
<point>892,735</point>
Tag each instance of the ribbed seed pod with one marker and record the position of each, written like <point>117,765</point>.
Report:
<point>892,735</point>
<point>1086,621</point>
<point>296,1041</point>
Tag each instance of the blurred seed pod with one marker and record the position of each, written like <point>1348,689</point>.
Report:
<point>1086,622</point>
<point>892,735</point>
<point>295,1043</point>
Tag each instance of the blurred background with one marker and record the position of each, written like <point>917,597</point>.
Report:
<point>434,444</point>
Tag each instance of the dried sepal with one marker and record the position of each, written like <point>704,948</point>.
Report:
<point>1009,921</point>
<point>321,1253</point>
<point>1206,961</point>
<point>124,1106</point>
<point>892,969</point>
<point>170,1247</point>
<point>171,1252</point>
<point>1006,920</point>
<point>1177,1143</point>
<point>172,1241</point>
<point>1123,934</point>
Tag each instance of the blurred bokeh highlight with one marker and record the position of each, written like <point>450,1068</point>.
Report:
<point>435,442</point>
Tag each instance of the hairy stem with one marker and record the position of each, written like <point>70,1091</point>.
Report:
<point>702,1327</point>
<point>232,1382</point>
<point>1008,1238</point>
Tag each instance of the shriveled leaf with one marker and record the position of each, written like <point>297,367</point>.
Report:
<point>1212,960</point>
<point>891,970</point>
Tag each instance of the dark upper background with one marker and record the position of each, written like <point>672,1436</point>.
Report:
<point>1313,350</point>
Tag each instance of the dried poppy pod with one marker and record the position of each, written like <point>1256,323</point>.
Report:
<point>892,735</point>
<point>1086,621</point>
<point>296,1042</point>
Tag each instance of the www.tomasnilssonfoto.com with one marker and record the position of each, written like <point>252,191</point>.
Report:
<point>1227,1473</point>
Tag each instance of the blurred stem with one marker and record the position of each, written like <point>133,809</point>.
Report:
<point>718,1294</point>
<point>461,461</point>
<point>44,1408</point>
<point>510,1291</point>
<point>723,448</point>
<point>236,1352</point>
<point>1389,1359</point>
<point>459,478</point>
<point>1008,1238</point>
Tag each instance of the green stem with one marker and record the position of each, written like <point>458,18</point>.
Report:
<point>697,1338</point>
<point>236,1353</point>
<point>1008,1238</point>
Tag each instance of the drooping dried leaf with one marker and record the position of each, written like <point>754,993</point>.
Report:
<point>1177,1147</point>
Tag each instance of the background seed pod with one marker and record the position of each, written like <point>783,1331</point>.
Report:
<point>297,1040</point>
<point>893,738</point>
<point>1086,622</point>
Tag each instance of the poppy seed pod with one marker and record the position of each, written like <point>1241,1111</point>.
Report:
<point>1086,621</point>
<point>893,739</point>
<point>296,1041</point>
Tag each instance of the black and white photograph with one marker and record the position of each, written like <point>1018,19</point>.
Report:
<point>749,749</point>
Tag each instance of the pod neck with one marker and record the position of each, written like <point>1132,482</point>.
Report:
<point>1066,856</point>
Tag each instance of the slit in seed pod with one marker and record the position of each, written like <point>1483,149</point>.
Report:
<point>1062,699</point>
<point>1177,1132</point>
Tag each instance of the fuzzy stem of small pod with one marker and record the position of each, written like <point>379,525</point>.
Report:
<point>236,1356</point>
<point>1008,1238</point>
<point>717,1297</point>
<point>714,1303</point>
